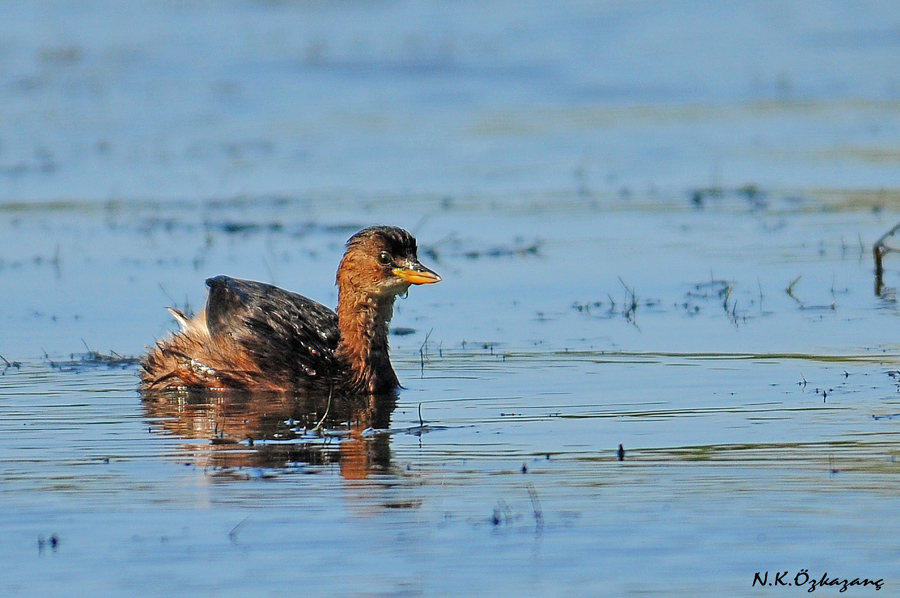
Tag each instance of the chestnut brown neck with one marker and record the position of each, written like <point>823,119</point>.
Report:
<point>363,321</point>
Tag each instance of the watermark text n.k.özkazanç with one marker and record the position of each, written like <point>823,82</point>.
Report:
<point>803,578</point>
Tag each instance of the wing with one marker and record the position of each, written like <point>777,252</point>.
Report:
<point>287,336</point>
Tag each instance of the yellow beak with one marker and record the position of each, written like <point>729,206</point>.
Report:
<point>416,273</point>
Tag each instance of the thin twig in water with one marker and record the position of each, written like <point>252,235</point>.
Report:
<point>833,298</point>
<point>10,364</point>
<point>318,427</point>
<point>232,535</point>
<point>502,509</point>
<point>879,250</point>
<point>631,304</point>
<point>168,296</point>
<point>731,312</point>
<point>423,353</point>
<point>759,285</point>
<point>790,290</point>
<point>536,506</point>
<point>270,271</point>
<point>47,357</point>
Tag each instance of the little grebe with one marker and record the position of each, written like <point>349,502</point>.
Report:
<point>254,336</point>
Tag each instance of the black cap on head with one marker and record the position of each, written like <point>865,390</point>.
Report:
<point>397,241</point>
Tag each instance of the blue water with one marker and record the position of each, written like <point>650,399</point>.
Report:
<point>111,101</point>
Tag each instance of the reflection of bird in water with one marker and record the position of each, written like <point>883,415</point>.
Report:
<point>257,337</point>
<point>271,430</point>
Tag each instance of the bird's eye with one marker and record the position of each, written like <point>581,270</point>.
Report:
<point>385,258</point>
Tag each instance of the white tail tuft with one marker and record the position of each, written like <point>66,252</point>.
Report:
<point>183,321</point>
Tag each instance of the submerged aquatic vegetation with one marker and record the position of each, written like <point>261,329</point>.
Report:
<point>454,246</point>
<point>7,364</point>
<point>92,359</point>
